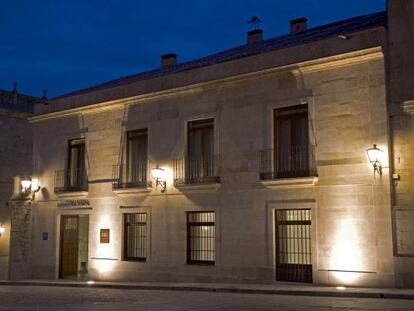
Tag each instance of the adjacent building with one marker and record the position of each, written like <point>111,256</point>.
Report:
<point>15,158</point>
<point>249,165</point>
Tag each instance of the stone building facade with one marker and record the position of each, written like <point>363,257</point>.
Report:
<point>258,155</point>
<point>15,158</point>
<point>400,77</point>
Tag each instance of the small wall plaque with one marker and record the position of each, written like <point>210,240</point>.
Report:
<point>104,236</point>
<point>45,236</point>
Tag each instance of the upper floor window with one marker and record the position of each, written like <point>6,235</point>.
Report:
<point>133,171</point>
<point>200,149</point>
<point>292,155</point>
<point>200,163</point>
<point>74,178</point>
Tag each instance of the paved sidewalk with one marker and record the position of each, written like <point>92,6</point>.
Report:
<point>274,289</point>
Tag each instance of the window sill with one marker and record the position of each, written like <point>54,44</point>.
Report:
<point>290,182</point>
<point>198,187</point>
<point>201,263</point>
<point>135,260</point>
<point>72,194</point>
<point>131,191</point>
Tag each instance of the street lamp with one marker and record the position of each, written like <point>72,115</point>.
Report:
<point>30,186</point>
<point>2,229</point>
<point>159,174</point>
<point>375,156</point>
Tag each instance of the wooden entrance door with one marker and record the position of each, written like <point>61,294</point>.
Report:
<point>69,246</point>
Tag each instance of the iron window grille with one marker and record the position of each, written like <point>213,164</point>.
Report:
<point>135,237</point>
<point>201,235</point>
<point>293,245</point>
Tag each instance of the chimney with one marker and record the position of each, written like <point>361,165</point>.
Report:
<point>169,59</point>
<point>254,36</point>
<point>298,25</point>
<point>14,93</point>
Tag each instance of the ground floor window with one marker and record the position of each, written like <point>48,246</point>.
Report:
<point>293,245</point>
<point>135,239</point>
<point>201,237</point>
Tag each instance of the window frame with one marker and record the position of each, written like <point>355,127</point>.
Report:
<point>125,256</point>
<point>137,132</point>
<point>203,172</point>
<point>81,181</point>
<point>189,238</point>
<point>288,113</point>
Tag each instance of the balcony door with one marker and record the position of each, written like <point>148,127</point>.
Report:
<point>76,174</point>
<point>291,156</point>
<point>137,158</point>
<point>200,151</point>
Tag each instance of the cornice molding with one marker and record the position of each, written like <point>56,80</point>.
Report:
<point>326,63</point>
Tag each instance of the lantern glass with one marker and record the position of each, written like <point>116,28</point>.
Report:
<point>2,229</point>
<point>26,184</point>
<point>375,154</point>
<point>35,186</point>
<point>158,173</point>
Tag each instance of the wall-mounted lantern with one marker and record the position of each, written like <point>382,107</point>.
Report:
<point>160,178</point>
<point>375,156</point>
<point>2,229</point>
<point>30,186</point>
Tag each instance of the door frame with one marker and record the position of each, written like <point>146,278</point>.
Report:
<point>283,203</point>
<point>59,238</point>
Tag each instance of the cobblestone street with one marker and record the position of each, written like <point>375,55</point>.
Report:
<point>66,298</point>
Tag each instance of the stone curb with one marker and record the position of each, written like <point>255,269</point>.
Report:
<point>175,287</point>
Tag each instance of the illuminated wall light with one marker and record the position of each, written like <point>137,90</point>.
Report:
<point>160,177</point>
<point>35,186</point>
<point>346,255</point>
<point>30,186</point>
<point>345,277</point>
<point>104,252</point>
<point>377,159</point>
<point>26,184</point>
<point>2,230</point>
<point>104,266</point>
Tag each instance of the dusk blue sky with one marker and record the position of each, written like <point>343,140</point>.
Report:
<point>68,45</point>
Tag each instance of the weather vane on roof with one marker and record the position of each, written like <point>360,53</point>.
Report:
<point>255,22</point>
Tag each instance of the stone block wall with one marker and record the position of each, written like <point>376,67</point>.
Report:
<point>347,109</point>
<point>16,159</point>
<point>400,74</point>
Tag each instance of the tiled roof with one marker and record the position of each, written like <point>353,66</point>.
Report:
<point>11,100</point>
<point>314,34</point>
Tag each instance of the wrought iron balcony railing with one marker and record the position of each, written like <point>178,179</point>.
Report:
<point>71,180</point>
<point>189,171</point>
<point>297,161</point>
<point>126,176</point>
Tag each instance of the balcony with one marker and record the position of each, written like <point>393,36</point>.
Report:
<point>131,176</point>
<point>196,171</point>
<point>295,162</point>
<point>73,180</point>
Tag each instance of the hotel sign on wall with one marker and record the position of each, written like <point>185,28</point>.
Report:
<point>74,204</point>
<point>104,236</point>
